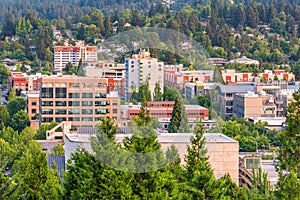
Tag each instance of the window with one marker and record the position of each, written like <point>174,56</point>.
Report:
<point>98,119</point>
<point>115,111</point>
<point>47,111</point>
<point>33,103</point>
<point>87,111</point>
<point>100,95</point>
<point>115,103</point>
<point>60,92</point>
<point>87,95</point>
<point>33,111</point>
<point>74,103</point>
<point>87,119</point>
<point>100,103</point>
<point>60,103</point>
<point>74,95</point>
<point>60,119</point>
<point>47,119</point>
<point>60,112</point>
<point>87,103</point>
<point>47,92</point>
<point>100,111</point>
<point>74,111</point>
<point>47,103</point>
<point>77,119</point>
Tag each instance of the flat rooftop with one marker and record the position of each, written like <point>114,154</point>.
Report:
<point>162,138</point>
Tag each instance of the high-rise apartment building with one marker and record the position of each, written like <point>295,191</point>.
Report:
<point>82,100</point>
<point>141,68</point>
<point>65,54</point>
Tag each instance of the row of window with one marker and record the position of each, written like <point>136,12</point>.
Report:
<point>78,119</point>
<point>77,111</point>
<point>77,103</point>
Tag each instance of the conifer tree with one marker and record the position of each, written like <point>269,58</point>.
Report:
<point>34,179</point>
<point>157,92</point>
<point>289,154</point>
<point>179,120</point>
<point>80,70</point>
<point>200,181</point>
<point>152,178</point>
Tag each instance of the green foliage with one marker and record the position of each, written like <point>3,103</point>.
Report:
<point>34,180</point>
<point>12,94</point>
<point>144,92</point>
<point>157,92</point>
<point>179,119</point>
<point>20,120</point>
<point>170,93</point>
<point>80,69</point>
<point>198,173</point>
<point>204,101</point>
<point>4,117</point>
<point>15,105</point>
<point>58,150</point>
<point>41,132</point>
<point>260,184</point>
<point>250,136</point>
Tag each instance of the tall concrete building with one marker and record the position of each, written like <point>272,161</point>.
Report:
<point>65,54</point>
<point>141,68</point>
<point>84,101</point>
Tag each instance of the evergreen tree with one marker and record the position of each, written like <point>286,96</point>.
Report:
<point>152,178</point>
<point>289,139</point>
<point>157,96</point>
<point>200,181</point>
<point>80,69</point>
<point>144,92</point>
<point>289,159</point>
<point>34,179</point>
<point>179,119</point>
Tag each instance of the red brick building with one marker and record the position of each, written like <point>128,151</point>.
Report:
<point>163,109</point>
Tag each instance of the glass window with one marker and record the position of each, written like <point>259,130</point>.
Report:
<point>98,119</point>
<point>60,119</point>
<point>47,103</point>
<point>33,103</point>
<point>74,111</point>
<point>60,111</point>
<point>33,111</point>
<point>87,111</point>
<point>115,110</point>
<point>77,119</point>
<point>60,103</point>
<point>100,95</point>
<point>60,92</point>
<point>87,95</point>
<point>101,103</point>
<point>74,103</point>
<point>87,103</point>
<point>74,95</point>
<point>47,92</point>
<point>87,119</point>
<point>100,111</point>
<point>47,111</point>
<point>47,119</point>
<point>115,103</point>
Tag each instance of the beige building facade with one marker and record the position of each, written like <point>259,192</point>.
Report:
<point>254,105</point>
<point>82,100</point>
<point>223,152</point>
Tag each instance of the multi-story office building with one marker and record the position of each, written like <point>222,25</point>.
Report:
<point>65,54</point>
<point>141,68</point>
<point>255,105</point>
<point>82,100</point>
<point>225,97</point>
